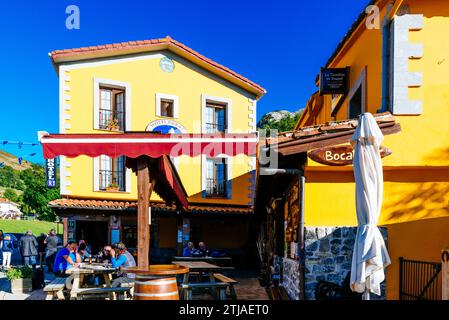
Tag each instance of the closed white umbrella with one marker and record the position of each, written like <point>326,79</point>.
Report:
<point>370,255</point>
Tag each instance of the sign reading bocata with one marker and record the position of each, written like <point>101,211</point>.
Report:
<point>339,155</point>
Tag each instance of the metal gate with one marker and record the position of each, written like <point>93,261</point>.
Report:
<point>419,280</point>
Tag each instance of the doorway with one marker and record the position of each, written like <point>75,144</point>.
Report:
<point>95,233</point>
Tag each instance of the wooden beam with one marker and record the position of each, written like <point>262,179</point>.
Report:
<point>325,141</point>
<point>143,202</point>
<point>65,230</point>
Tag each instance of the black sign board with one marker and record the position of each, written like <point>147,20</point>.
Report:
<point>50,170</point>
<point>334,81</point>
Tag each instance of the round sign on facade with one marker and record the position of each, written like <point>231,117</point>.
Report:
<point>166,126</point>
<point>167,64</point>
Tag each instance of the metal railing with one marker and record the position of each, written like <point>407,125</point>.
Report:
<point>215,188</point>
<point>419,280</point>
<point>215,127</point>
<point>112,120</point>
<point>110,178</point>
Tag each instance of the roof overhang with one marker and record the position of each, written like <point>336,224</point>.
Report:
<point>324,135</point>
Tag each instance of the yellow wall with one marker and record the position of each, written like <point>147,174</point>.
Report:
<point>146,78</point>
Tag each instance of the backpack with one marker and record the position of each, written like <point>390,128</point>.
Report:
<point>38,281</point>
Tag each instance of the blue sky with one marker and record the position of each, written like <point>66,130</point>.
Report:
<point>280,45</point>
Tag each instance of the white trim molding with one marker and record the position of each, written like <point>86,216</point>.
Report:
<point>64,174</point>
<point>359,83</point>
<point>401,79</point>
<point>175,99</point>
<point>252,116</point>
<point>98,82</point>
<point>228,102</point>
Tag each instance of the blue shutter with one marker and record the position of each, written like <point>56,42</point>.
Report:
<point>228,183</point>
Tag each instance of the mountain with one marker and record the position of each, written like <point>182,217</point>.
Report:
<point>281,120</point>
<point>10,160</point>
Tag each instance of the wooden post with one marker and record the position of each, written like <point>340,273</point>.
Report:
<point>445,274</point>
<point>65,230</point>
<point>143,198</point>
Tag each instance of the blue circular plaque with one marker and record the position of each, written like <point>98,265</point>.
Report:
<point>167,64</point>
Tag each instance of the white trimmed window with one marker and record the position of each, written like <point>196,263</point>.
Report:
<point>112,105</point>
<point>110,174</point>
<point>216,177</point>
<point>216,114</point>
<point>167,105</point>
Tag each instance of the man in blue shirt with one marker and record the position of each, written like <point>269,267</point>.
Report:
<point>189,250</point>
<point>66,258</point>
<point>121,258</point>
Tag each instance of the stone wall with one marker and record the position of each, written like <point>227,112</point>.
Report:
<point>291,278</point>
<point>329,256</point>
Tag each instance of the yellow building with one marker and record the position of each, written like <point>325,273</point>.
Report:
<point>398,62</point>
<point>154,85</point>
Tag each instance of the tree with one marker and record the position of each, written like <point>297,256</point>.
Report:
<point>285,124</point>
<point>36,196</point>
<point>10,194</point>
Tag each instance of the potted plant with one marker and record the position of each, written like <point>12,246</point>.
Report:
<point>112,187</point>
<point>114,125</point>
<point>21,279</point>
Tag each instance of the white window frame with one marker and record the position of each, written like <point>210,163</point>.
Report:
<point>360,82</point>
<point>99,82</point>
<point>175,99</point>
<point>204,99</point>
<point>228,170</point>
<point>96,177</point>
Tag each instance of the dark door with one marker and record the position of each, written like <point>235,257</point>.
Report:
<point>95,233</point>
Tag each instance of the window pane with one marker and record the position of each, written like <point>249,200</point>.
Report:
<point>167,108</point>
<point>355,105</point>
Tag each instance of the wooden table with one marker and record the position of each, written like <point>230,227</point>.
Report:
<point>78,273</point>
<point>220,261</point>
<point>198,266</point>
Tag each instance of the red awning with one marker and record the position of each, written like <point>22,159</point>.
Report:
<point>168,184</point>
<point>153,145</point>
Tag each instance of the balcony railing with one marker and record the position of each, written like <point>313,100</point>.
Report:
<point>112,120</point>
<point>215,188</point>
<point>215,128</point>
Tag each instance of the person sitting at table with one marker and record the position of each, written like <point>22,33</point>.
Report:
<point>105,255</point>
<point>66,258</point>
<point>121,258</point>
<point>205,252</point>
<point>83,252</point>
<point>189,250</point>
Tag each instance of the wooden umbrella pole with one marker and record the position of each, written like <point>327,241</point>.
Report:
<point>143,226</point>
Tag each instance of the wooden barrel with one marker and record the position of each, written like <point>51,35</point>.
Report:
<point>151,288</point>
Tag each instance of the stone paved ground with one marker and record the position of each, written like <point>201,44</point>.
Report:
<point>247,289</point>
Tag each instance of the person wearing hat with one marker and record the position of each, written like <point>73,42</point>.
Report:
<point>121,258</point>
<point>28,248</point>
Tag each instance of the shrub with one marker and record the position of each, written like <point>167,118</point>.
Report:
<point>19,273</point>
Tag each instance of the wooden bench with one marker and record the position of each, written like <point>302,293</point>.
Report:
<point>101,292</point>
<point>223,279</point>
<point>55,289</point>
<point>220,286</point>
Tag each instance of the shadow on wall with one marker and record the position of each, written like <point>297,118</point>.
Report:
<point>424,193</point>
<point>329,256</point>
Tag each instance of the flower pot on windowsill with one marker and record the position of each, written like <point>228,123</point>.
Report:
<point>112,189</point>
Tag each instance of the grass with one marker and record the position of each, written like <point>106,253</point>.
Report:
<point>21,226</point>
